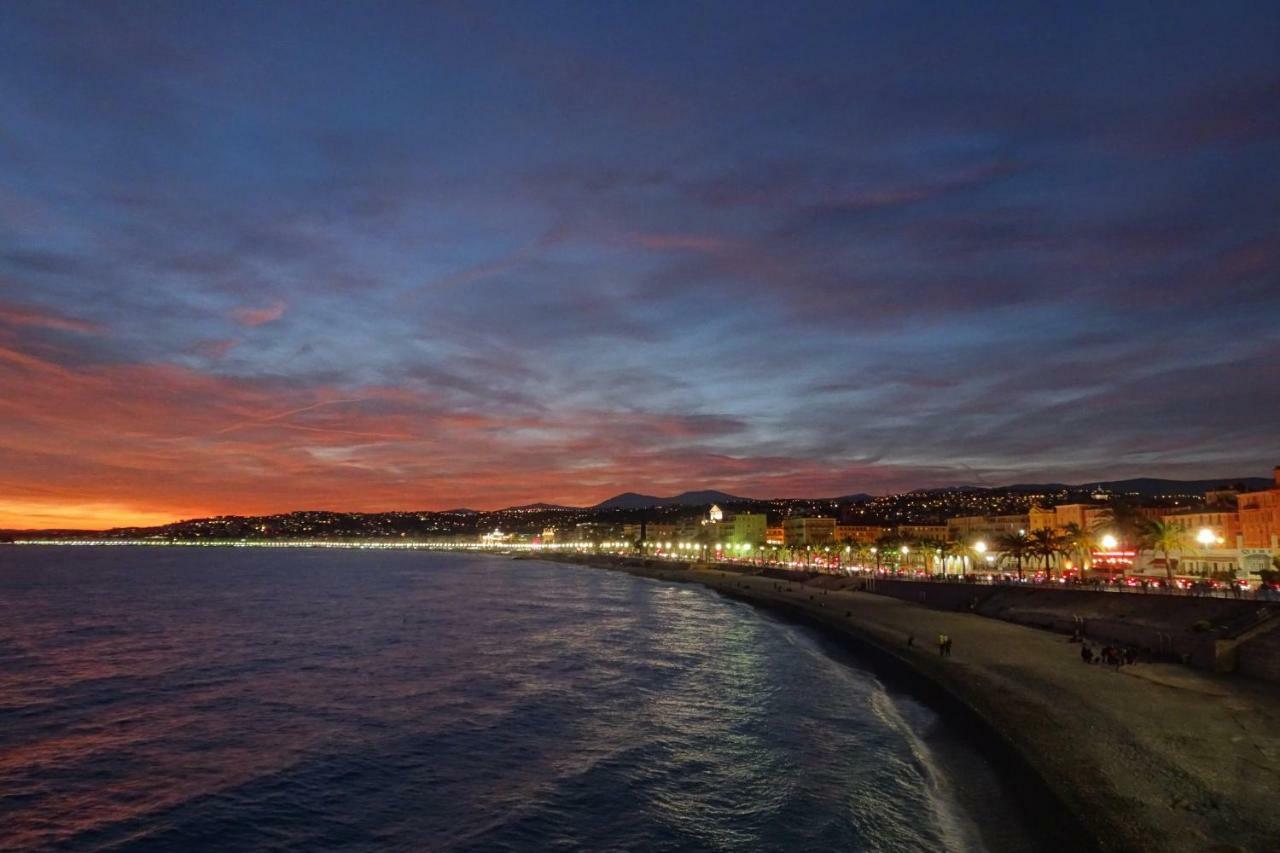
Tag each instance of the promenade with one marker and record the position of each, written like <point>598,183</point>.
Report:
<point>1154,757</point>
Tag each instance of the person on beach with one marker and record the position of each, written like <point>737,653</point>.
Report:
<point>946,648</point>
<point>1086,653</point>
<point>942,645</point>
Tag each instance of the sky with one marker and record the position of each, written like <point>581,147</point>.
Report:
<point>258,257</point>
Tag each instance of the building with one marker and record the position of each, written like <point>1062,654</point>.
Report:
<point>1040,517</point>
<point>1259,514</point>
<point>1223,526</point>
<point>865,534</point>
<point>1224,497</point>
<point>715,527</point>
<point>1056,518</point>
<point>594,532</point>
<point>966,528</point>
<point>1225,540</point>
<point>774,536</point>
<point>806,531</point>
<point>749,528</point>
<point>923,532</point>
<point>659,532</point>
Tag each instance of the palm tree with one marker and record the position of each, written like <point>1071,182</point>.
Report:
<point>1126,522</point>
<point>1078,543</point>
<point>944,550</point>
<point>932,550</point>
<point>888,543</point>
<point>1048,544</point>
<point>857,553</point>
<point>1166,537</point>
<point>1015,546</point>
<point>977,549</point>
<point>908,551</point>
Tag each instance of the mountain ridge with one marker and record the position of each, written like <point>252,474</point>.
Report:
<point>634,500</point>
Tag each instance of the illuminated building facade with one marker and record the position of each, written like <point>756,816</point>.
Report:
<point>970,527</point>
<point>1260,517</point>
<point>749,528</point>
<point>865,534</point>
<point>802,532</point>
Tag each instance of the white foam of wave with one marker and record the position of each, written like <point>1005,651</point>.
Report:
<point>956,830</point>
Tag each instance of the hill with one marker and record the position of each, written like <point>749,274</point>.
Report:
<point>632,500</point>
<point>1147,487</point>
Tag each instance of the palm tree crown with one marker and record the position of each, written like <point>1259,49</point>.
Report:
<point>1046,543</point>
<point>1015,546</point>
<point>1167,538</point>
<point>1078,542</point>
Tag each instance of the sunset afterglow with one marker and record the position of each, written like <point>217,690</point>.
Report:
<point>533,257</point>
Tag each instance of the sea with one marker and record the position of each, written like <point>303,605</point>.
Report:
<point>227,699</point>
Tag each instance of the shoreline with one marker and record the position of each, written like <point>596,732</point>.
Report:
<point>1088,769</point>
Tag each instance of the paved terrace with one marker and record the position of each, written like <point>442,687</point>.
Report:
<point>1155,757</point>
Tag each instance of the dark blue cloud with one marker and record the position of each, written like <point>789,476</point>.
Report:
<point>899,243</point>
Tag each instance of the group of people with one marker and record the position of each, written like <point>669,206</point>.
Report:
<point>944,645</point>
<point>1112,656</point>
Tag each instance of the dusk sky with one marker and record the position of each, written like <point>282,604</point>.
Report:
<point>363,256</point>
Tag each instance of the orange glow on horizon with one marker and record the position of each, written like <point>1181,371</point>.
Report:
<point>70,515</point>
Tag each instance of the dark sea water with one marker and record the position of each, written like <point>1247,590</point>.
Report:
<point>255,699</point>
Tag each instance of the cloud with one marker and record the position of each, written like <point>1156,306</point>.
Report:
<point>12,314</point>
<point>259,316</point>
<point>614,253</point>
<point>214,349</point>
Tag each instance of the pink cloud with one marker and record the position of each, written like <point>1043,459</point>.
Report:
<point>259,316</point>
<point>13,314</point>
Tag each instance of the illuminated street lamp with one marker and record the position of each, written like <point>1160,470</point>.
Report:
<point>1110,542</point>
<point>980,547</point>
<point>906,551</point>
<point>1206,537</point>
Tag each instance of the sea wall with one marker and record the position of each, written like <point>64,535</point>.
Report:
<point>1200,631</point>
<point>1259,657</point>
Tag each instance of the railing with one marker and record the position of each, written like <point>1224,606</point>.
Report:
<point>1152,586</point>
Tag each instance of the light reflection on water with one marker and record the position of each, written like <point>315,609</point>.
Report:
<point>229,699</point>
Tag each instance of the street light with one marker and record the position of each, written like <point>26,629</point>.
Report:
<point>1109,542</point>
<point>1206,537</point>
<point>979,548</point>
